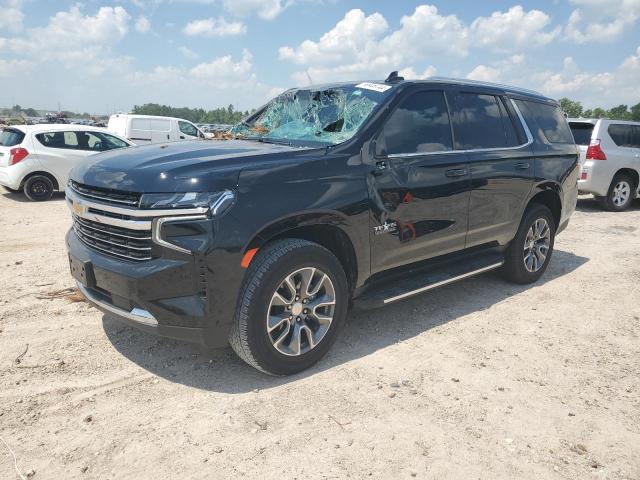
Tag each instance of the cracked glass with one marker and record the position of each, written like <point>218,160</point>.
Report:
<point>325,115</point>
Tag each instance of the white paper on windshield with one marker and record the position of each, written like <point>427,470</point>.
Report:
<point>376,87</point>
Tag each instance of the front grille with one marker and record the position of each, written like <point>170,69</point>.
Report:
<point>106,195</point>
<point>121,242</point>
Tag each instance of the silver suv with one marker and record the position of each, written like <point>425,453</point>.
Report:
<point>610,160</point>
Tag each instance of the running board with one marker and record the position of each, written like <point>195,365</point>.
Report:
<point>425,280</point>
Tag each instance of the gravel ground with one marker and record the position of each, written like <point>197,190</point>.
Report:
<point>481,379</point>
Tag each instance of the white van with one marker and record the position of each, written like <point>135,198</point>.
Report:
<point>145,129</point>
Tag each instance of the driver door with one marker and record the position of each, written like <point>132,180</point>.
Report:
<point>419,185</point>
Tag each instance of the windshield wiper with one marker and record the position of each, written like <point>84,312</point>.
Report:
<point>276,142</point>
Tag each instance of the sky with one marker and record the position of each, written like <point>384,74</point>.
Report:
<point>101,56</point>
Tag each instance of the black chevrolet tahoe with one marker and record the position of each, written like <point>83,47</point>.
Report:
<point>326,198</point>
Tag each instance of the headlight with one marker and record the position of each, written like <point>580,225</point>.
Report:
<point>216,202</point>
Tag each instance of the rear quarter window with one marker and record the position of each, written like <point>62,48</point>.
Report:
<point>625,135</point>
<point>10,137</point>
<point>551,122</point>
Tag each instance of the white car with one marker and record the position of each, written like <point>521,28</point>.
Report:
<point>37,159</point>
<point>146,129</point>
<point>610,160</point>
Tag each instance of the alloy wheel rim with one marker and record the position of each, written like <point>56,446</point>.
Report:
<point>39,189</point>
<point>621,193</point>
<point>301,311</point>
<point>536,245</point>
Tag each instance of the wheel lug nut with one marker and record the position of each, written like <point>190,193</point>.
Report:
<point>297,298</point>
<point>298,319</point>
<point>305,311</point>
<point>305,300</point>
<point>288,307</point>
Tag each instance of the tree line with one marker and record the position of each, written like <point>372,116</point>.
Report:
<point>575,109</point>
<point>227,115</point>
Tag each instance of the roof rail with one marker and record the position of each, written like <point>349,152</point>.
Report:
<point>488,84</point>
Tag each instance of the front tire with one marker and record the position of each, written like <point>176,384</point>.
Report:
<point>530,251</point>
<point>293,303</point>
<point>38,188</point>
<point>620,194</point>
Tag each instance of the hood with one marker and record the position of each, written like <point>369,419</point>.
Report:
<point>195,166</point>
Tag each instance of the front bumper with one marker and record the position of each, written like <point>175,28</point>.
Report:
<point>160,296</point>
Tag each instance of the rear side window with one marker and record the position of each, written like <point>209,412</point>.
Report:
<point>68,140</point>
<point>551,121</point>
<point>581,132</point>
<point>11,138</point>
<point>482,123</point>
<point>625,135</point>
<point>420,124</point>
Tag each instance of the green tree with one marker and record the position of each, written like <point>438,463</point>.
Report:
<point>17,108</point>
<point>30,112</point>
<point>635,112</point>
<point>571,108</point>
<point>621,112</point>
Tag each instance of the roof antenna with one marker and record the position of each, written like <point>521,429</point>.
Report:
<point>308,76</point>
<point>394,77</point>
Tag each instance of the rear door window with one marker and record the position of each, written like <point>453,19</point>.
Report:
<point>581,132</point>
<point>550,119</point>
<point>66,140</point>
<point>624,135</point>
<point>483,123</point>
<point>10,137</point>
<point>420,124</point>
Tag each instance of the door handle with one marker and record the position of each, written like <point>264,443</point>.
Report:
<point>167,136</point>
<point>182,137</point>
<point>456,172</point>
<point>522,166</point>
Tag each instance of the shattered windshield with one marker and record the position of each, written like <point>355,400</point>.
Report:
<point>329,116</point>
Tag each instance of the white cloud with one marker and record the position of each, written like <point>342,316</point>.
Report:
<point>364,46</point>
<point>223,71</point>
<point>71,34</point>
<point>409,74</point>
<point>142,24</point>
<point>513,29</point>
<point>266,9</point>
<point>484,73</point>
<point>9,68</point>
<point>593,88</point>
<point>360,46</point>
<point>601,20</point>
<point>214,27</point>
<point>11,17</point>
<point>188,53</point>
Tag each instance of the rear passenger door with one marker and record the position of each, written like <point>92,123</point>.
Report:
<point>498,149</point>
<point>419,186</point>
<point>59,152</point>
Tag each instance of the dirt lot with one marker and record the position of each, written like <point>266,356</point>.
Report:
<point>481,379</point>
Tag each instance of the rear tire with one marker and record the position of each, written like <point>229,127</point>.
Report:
<point>530,251</point>
<point>285,321</point>
<point>620,194</point>
<point>38,188</point>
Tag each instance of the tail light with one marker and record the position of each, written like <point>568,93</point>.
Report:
<point>17,154</point>
<point>594,152</point>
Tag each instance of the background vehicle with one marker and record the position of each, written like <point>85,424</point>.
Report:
<point>38,158</point>
<point>367,192</point>
<point>610,159</point>
<point>145,129</point>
